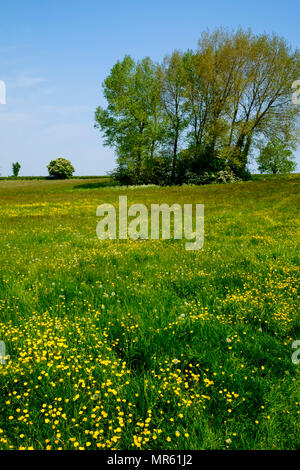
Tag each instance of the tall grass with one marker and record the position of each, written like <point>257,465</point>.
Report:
<point>142,344</point>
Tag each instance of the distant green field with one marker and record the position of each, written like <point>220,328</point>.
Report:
<point>142,344</point>
<point>32,178</point>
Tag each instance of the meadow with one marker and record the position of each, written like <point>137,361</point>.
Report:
<point>123,344</point>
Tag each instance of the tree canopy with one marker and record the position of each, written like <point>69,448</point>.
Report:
<point>60,168</point>
<point>200,111</point>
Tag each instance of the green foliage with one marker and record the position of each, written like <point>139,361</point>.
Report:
<point>60,168</point>
<point>32,178</point>
<point>158,171</point>
<point>16,168</point>
<point>205,110</point>
<point>276,157</point>
<point>173,101</point>
<point>222,176</point>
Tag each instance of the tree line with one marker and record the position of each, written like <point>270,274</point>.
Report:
<point>200,113</point>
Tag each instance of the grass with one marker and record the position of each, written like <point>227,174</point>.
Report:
<point>142,344</point>
<point>36,178</point>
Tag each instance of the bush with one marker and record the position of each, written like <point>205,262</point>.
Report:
<point>60,168</point>
<point>222,176</point>
<point>157,172</point>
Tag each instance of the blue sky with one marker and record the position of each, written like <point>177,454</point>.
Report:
<point>54,55</point>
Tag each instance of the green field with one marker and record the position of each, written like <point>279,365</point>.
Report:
<point>142,344</point>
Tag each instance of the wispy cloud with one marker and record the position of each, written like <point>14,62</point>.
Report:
<point>27,80</point>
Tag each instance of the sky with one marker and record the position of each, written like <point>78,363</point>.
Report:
<point>55,54</point>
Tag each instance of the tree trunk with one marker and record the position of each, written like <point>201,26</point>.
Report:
<point>174,156</point>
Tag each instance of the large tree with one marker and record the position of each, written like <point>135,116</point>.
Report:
<point>173,100</point>
<point>131,122</point>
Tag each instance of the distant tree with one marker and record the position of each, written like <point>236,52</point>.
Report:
<point>276,157</point>
<point>16,168</point>
<point>60,168</point>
